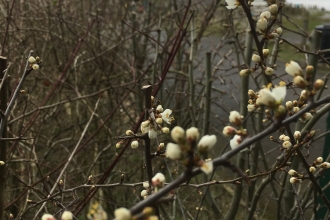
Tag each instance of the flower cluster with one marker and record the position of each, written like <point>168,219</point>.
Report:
<point>318,163</point>
<point>67,215</point>
<point>34,62</point>
<point>152,126</point>
<point>239,133</point>
<point>309,89</point>
<point>156,119</point>
<point>185,142</point>
<point>286,141</point>
<point>265,18</point>
<point>271,98</point>
<point>125,214</point>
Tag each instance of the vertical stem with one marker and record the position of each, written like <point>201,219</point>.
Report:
<point>245,79</point>
<point>147,155</point>
<point>3,144</point>
<point>315,45</point>
<point>232,211</point>
<point>289,195</point>
<point>191,74</point>
<point>206,124</point>
<point>207,103</point>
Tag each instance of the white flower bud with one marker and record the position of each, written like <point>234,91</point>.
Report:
<point>286,144</point>
<point>47,217</point>
<point>118,145</point>
<point>256,58</point>
<point>229,131</point>
<point>161,146</point>
<point>122,214</point>
<point>192,134</point>
<point>159,121</point>
<point>165,130</point>
<point>2,163</point>
<point>296,109</point>
<point>289,105</point>
<point>286,138</point>
<point>135,144</point>
<point>293,173</point>
<point>158,179</point>
<point>303,94</point>
<point>129,132</point>
<point>295,180</point>
<point>159,109</point>
<point>244,72</point>
<point>312,169</point>
<point>262,25</point>
<point>144,193</point>
<point>251,93</point>
<point>32,59</point>
<point>251,107</point>
<point>325,165</point>
<point>235,118</point>
<point>67,215</point>
<point>269,71</point>
<point>145,185</point>
<point>265,52</point>
<point>35,66</point>
<point>319,159</point>
<point>279,31</point>
<point>319,83</point>
<point>307,116</point>
<point>293,69</point>
<point>173,151</point>
<point>206,143</point>
<point>281,137</point>
<point>297,135</point>
<point>273,9</point>
<point>178,134</point>
<point>237,139</point>
<point>300,82</point>
<point>265,14</point>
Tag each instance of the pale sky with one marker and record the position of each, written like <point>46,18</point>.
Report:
<point>319,3</point>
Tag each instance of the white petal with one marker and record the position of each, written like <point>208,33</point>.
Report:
<point>235,141</point>
<point>122,214</point>
<point>293,68</point>
<point>207,142</point>
<point>279,93</point>
<point>265,97</point>
<point>265,14</point>
<point>145,129</point>
<point>173,151</point>
<point>152,134</point>
<point>166,116</point>
<point>207,167</point>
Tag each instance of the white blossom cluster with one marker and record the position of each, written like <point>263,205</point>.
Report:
<point>236,119</point>
<point>67,215</point>
<point>185,141</point>
<point>34,62</point>
<point>153,125</point>
<point>318,163</point>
